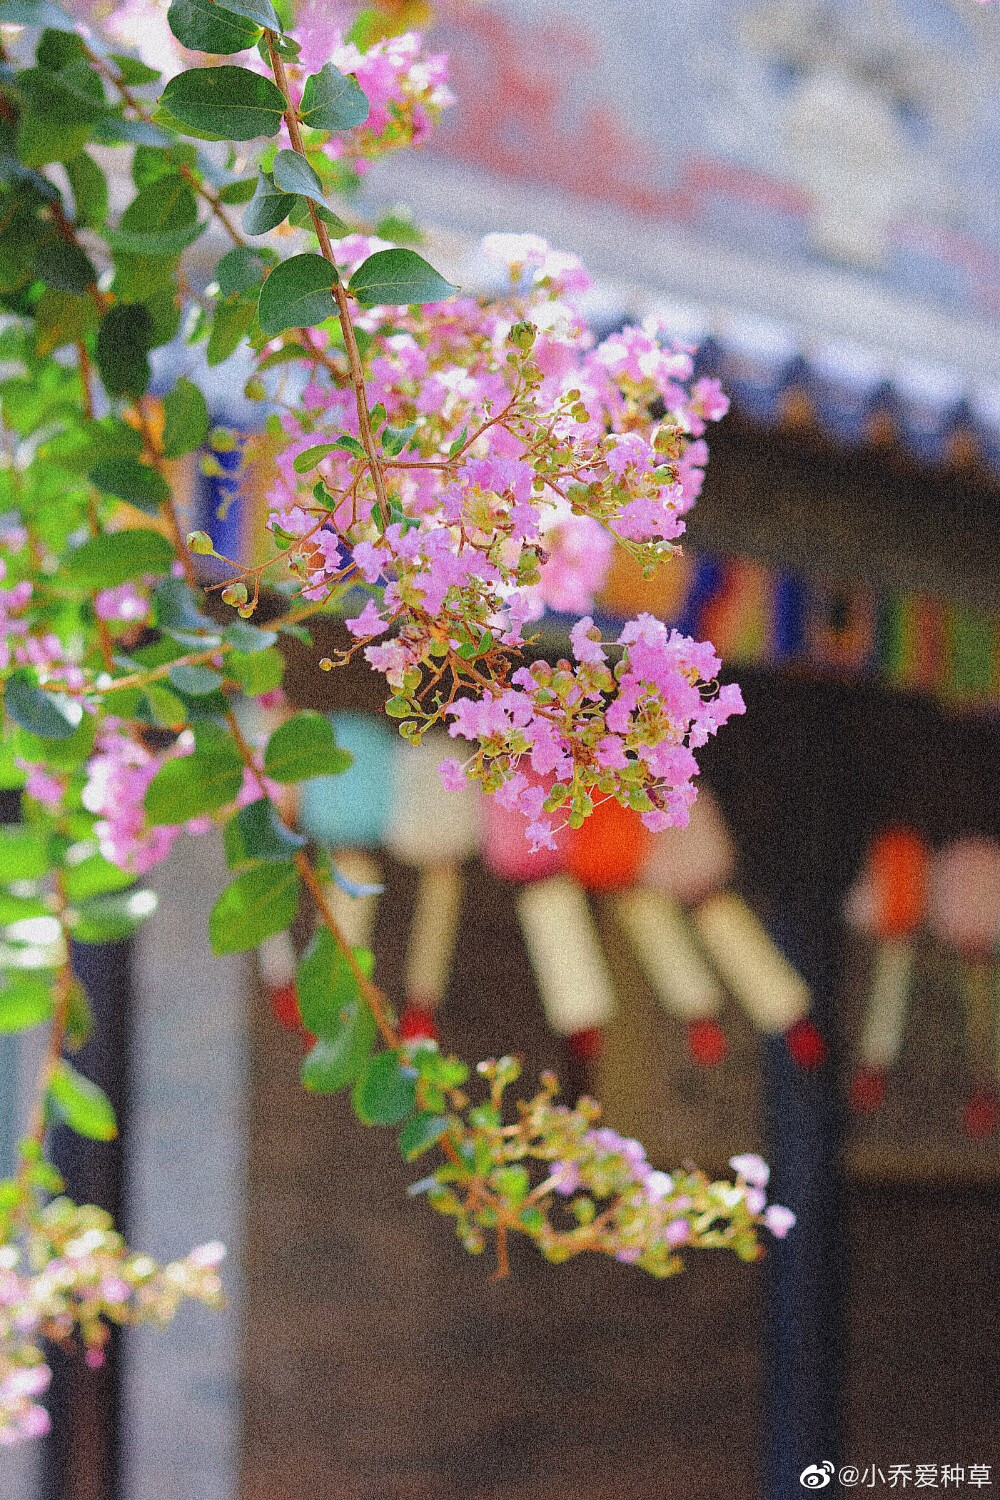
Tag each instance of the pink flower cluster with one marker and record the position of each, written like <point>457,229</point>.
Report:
<point>75,1275</point>
<point>519,451</point>
<point>118,777</point>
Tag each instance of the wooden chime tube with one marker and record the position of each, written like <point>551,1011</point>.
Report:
<point>431,945</point>
<point>574,983</point>
<point>753,969</point>
<point>354,915</point>
<point>665,950</point>
<point>888,1004</point>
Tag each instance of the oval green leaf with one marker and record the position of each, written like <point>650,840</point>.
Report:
<point>297,294</point>
<point>85,1107</point>
<point>268,207</point>
<point>304,746</point>
<point>385,1093</point>
<point>259,903</point>
<point>326,984</point>
<point>25,1002</point>
<point>186,425</point>
<point>420,1133</point>
<point>332,100</point>
<point>162,219</point>
<point>397,278</point>
<point>231,103</point>
<point>195,784</point>
<point>114,558</point>
<point>39,712</point>
<point>128,479</point>
<point>293,174</point>
<point>206,27</point>
<point>256,835</point>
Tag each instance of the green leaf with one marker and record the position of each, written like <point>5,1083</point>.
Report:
<point>259,903</point>
<point>385,1093</point>
<point>268,207</point>
<point>336,1061</point>
<point>420,1133</point>
<point>66,754</point>
<point>240,270</point>
<point>64,266</point>
<point>198,783</point>
<point>231,103</point>
<point>257,671</point>
<point>310,457</point>
<point>84,1107</point>
<point>256,835</point>
<point>194,681</point>
<point>133,72</point>
<point>231,324</point>
<point>39,712</point>
<point>332,100</point>
<point>261,12</point>
<point>18,908</point>
<point>243,636</point>
<point>206,27</point>
<point>293,174</point>
<point>187,421</point>
<point>25,1001</point>
<point>57,119</point>
<point>304,746</point>
<point>130,480</point>
<point>24,855</point>
<point>177,610</point>
<point>111,918</point>
<point>93,876</point>
<point>301,216</point>
<point>162,219</point>
<point>395,439</point>
<point>115,557</point>
<point>326,984</point>
<point>90,191</point>
<point>297,294</point>
<point>397,278</point>
<point>165,707</point>
<point>36,13</point>
<point>238,192</point>
<point>123,344</point>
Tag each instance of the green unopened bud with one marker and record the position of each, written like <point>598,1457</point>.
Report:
<point>236,593</point>
<point>522,336</point>
<point>255,390</point>
<point>245,611</point>
<point>201,543</point>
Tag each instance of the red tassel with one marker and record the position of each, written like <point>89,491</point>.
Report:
<point>586,1045</point>
<point>981,1116</point>
<point>805,1044</point>
<point>417,1025</point>
<point>285,1006</point>
<point>707,1042</point>
<point>867,1091</point>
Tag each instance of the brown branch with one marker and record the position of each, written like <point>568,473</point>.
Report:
<point>340,296</point>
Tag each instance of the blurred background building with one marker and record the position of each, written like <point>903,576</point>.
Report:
<point>808,190</point>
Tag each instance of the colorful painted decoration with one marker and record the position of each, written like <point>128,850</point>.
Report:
<point>767,616</point>
<point>888,903</point>
<point>607,852</point>
<point>952,895</point>
<point>351,810</point>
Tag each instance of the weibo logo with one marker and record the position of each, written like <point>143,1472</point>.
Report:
<point>816,1476</point>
